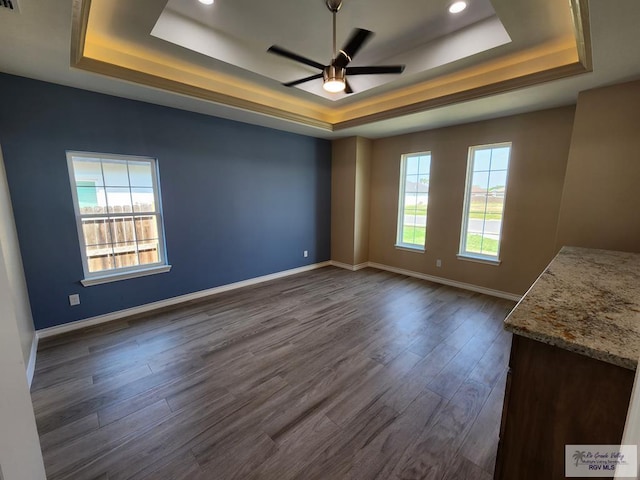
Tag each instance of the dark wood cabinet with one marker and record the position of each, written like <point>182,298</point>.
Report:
<point>555,397</point>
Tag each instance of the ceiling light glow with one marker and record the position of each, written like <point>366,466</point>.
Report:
<point>456,7</point>
<point>333,86</point>
<point>206,2</point>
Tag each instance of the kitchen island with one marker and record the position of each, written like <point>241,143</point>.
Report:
<point>574,354</point>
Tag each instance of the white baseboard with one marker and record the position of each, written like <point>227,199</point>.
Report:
<point>346,266</point>
<point>108,317</point>
<point>446,281</point>
<point>31,365</point>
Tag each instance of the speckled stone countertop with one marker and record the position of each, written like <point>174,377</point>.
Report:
<point>586,301</point>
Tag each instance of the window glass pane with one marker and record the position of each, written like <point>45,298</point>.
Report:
<point>475,225</point>
<point>148,252</point>
<point>115,173</point>
<point>425,165</point>
<point>140,174</point>
<point>412,165</point>
<point>87,171</point>
<point>412,234</point>
<point>119,200</point>
<point>480,182</point>
<point>91,199</point>
<point>495,207</point>
<point>474,242</point>
<point>410,203</point>
<point>482,160</point>
<point>146,228</point>
<point>122,229</point>
<point>422,204</point>
<point>96,231</point>
<point>497,180</point>
<point>87,195</point>
<point>100,257</point>
<point>477,205</point>
<point>500,158</point>
<point>423,182</point>
<point>126,254</point>
<point>143,199</point>
<point>490,244</point>
<point>412,183</point>
<point>492,228</point>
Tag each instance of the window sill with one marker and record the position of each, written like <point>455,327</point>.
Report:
<point>409,248</point>
<point>88,282</point>
<point>486,261</point>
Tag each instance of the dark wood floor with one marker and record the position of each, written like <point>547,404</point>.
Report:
<point>325,375</point>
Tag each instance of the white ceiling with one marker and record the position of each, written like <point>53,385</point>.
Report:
<point>36,43</point>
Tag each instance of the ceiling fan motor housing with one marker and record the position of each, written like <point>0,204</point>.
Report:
<point>332,73</point>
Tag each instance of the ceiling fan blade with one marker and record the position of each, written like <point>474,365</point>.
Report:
<point>353,45</point>
<point>294,56</point>
<point>347,87</point>
<point>302,80</point>
<point>383,69</point>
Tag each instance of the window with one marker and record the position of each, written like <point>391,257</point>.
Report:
<point>414,199</point>
<point>118,213</point>
<point>484,201</point>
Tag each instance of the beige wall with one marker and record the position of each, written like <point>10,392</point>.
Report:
<point>538,161</point>
<point>350,187</point>
<point>10,250</point>
<point>601,197</point>
<point>343,199</point>
<point>363,194</point>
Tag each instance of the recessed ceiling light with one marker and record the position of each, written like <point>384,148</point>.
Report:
<point>206,2</point>
<point>455,7</point>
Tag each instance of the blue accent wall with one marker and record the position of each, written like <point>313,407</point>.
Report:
<point>239,201</point>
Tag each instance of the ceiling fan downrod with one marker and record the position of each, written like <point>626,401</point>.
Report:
<point>334,6</point>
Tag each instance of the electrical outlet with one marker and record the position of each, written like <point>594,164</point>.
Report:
<point>438,263</point>
<point>305,254</point>
<point>74,299</point>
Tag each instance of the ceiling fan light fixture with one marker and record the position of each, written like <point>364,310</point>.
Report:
<point>333,79</point>
<point>457,7</point>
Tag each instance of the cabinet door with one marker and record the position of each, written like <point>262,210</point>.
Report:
<point>554,398</point>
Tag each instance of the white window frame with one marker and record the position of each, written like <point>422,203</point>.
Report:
<point>463,254</point>
<point>122,273</point>
<point>401,203</point>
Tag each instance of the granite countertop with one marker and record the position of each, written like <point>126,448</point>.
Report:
<point>586,301</point>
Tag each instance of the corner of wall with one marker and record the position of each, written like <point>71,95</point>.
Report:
<point>10,250</point>
<point>599,201</point>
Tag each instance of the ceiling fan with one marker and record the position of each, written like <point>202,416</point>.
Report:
<point>335,74</point>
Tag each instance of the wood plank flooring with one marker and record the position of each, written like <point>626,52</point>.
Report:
<point>329,374</point>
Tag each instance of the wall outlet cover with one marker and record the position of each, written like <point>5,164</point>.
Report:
<point>74,299</point>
